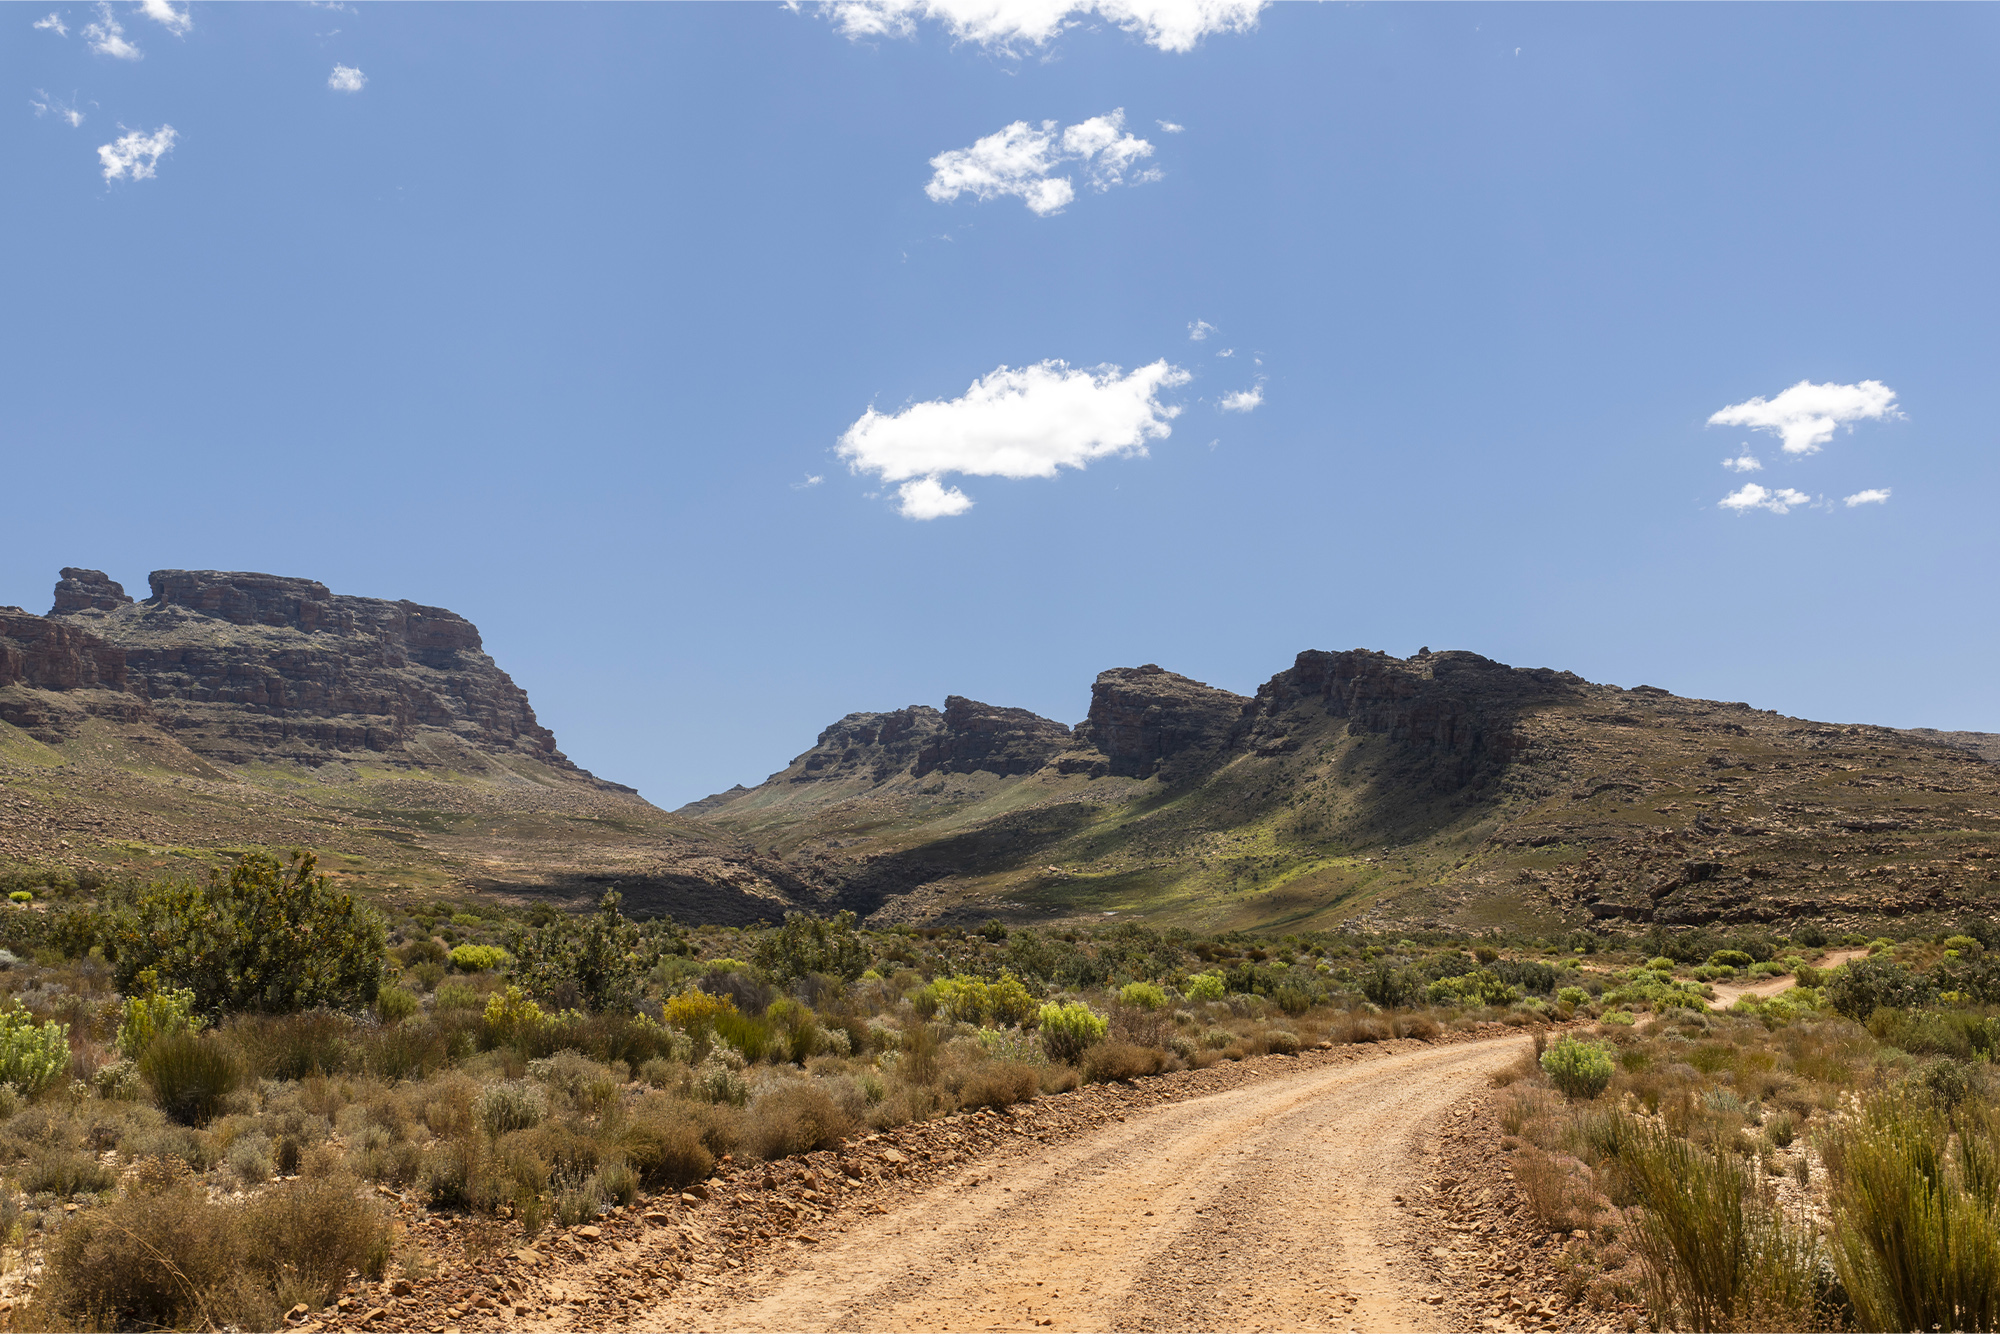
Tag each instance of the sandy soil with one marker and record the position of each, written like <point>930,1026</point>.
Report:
<point>1728,993</point>
<point>1275,1206</point>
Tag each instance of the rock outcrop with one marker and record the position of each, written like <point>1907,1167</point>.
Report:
<point>258,668</point>
<point>1454,711</point>
<point>1147,720</point>
<point>966,737</point>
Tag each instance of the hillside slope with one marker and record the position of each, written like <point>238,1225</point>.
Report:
<point>233,710</point>
<point>1442,790</point>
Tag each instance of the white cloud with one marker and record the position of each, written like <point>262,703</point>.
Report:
<point>44,104</point>
<point>1744,462</point>
<point>107,35</point>
<point>928,498</point>
<point>1227,352</point>
<point>176,21</point>
<point>1019,160</point>
<point>1168,127</point>
<point>347,79</point>
<point>1754,497</point>
<point>1199,331</point>
<point>1872,496</point>
<point>136,154</point>
<point>1806,415</point>
<point>1243,400</point>
<point>1002,25</point>
<point>1029,422</point>
<point>53,23</point>
<point>812,480</point>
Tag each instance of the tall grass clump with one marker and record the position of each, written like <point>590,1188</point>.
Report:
<point>1915,1237</point>
<point>191,1075</point>
<point>1717,1257</point>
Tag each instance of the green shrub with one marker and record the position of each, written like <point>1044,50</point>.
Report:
<point>1863,986</point>
<point>805,945</point>
<point>1069,1029</point>
<point>1731,959</point>
<point>31,1056</point>
<point>477,958</point>
<point>393,1005</point>
<point>266,937</point>
<point>1573,996</point>
<point>190,1075</point>
<point>1143,996</point>
<point>1582,1070</point>
<point>1206,987</point>
<point>597,963</point>
<point>22,895</point>
<point>154,1013</point>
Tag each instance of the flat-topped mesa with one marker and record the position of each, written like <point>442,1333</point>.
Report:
<point>1147,720</point>
<point>249,668</point>
<point>87,590</point>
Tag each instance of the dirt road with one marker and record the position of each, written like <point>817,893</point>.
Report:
<point>1728,993</point>
<point>1274,1206</point>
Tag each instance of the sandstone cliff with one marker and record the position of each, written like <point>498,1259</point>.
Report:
<point>257,668</point>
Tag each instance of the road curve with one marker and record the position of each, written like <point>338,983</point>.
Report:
<point>1272,1206</point>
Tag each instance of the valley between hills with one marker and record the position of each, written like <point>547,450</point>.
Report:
<point>229,711</point>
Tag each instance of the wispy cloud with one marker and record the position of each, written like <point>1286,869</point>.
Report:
<point>53,23</point>
<point>1744,462</point>
<point>812,480</point>
<point>1020,161</point>
<point>1806,415</point>
<point>347,79</point>
<point>1026,422</point>
<point>1244,400</point>
<point>107,36</point>
<point>45,105</point>
<point>1873,496</point>
<point>1226,352</point>
<point>136,154</point>
<point>176,21</point>
<point>1199,331</point>
<point>1754,497</point>
<point>1168,127</point>
<point>1008,25</point>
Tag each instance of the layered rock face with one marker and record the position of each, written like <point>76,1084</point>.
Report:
<point>249,668</point>
<point>1144,720</point>
<point>52,676</point>
<point>967,737</point>
<point>1455,710</point>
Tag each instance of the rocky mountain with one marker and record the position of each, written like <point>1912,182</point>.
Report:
<point>1441,790</point>
<point>232,709</point>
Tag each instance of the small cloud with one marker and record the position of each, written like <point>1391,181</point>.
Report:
<point>347,79</point>
<point>1030,422</point>
<point>1243,400</point>
<point>928,498</point>
<point>176,21</point>
<point>1005,25</point>
<point>1168,127</point>
<point>53,23</point>
<point>1227,352</point>
<point>812,480</point>
<point>44,105</point>
<point>1019,161</point>
<point>1754,497</point>
<point>1874,496</point>
<point>1199,331</point>
<point>107,36</point>
<point>1806,415</point>
<point>136,154</point>
<point>1744,462</point>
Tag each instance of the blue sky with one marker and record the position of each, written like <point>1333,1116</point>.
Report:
<point>549,314</point>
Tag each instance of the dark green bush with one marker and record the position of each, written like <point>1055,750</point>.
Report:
<point>806,944</point>
<point>266,937</point>
<point>1867,985</point>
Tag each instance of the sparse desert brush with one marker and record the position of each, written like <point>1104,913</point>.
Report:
<point>1000,1084</point>
<point>1558,1189</point>
<point>795,1117</point>
<point>512,1104</point>
<point>1121,1062</point>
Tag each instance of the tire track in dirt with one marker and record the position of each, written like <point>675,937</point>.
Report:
<point>1273,1206</point>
